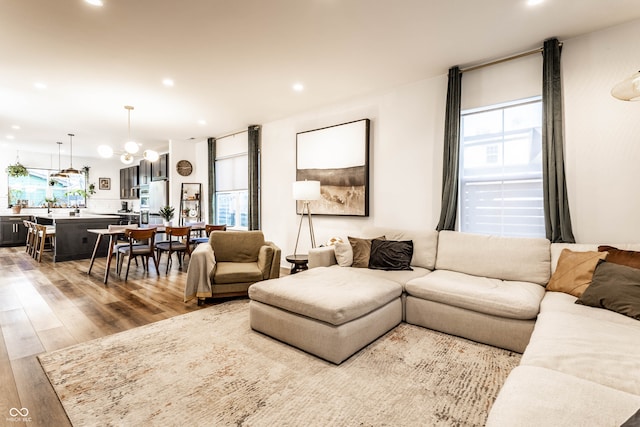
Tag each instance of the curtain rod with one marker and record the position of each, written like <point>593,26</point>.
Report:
<point>501,60</point>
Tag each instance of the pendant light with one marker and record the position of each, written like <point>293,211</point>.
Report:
<point>59,174</point>
<point>70,170</point>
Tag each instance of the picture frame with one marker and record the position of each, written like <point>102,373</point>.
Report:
<point>104,183</point>
<point>338,157</point>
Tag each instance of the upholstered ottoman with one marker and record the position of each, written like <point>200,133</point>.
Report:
<point>331,312</point>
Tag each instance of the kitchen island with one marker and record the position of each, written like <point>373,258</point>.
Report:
<point>72,240</point>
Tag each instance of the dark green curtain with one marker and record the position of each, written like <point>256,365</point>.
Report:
<point>451,159</point>
<point>254,177</point>
<point>211,158</point>
<point>556,206</point>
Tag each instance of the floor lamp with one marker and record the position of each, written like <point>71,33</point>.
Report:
<point>306,191</point>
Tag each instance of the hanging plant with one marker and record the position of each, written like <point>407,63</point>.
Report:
<point>17,170</point>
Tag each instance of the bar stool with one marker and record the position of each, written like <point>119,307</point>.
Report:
<point>31,236</point>
<point>43,232</point>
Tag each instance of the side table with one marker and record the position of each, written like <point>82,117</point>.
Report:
<point>298,263</point>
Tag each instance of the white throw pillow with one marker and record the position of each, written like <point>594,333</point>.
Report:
<point>344,254</point>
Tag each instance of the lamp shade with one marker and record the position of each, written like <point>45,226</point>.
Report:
<point>306,190</point>
<point>628,89</point>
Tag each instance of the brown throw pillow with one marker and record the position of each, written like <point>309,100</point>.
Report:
<point>614,287</point>
<point>361,251</point>
<point>622,257</point>
<point>574,271</point>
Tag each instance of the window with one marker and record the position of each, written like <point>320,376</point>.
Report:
<point>501,170</point>
<point>231,181</point>
<point>40,189</point>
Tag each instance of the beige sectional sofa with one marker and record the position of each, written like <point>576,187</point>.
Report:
<point>580,365</point>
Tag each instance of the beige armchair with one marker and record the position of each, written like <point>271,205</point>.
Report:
<point>229,264</point>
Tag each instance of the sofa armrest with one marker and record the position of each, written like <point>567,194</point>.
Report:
<point>323,256</point>
<point>269,261</point>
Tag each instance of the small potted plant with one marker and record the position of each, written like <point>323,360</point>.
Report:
<point>167,213</point>
<point>14,202</point>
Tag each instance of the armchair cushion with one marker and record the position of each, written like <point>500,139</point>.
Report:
<point>236,246</point>
<point>236,272</point>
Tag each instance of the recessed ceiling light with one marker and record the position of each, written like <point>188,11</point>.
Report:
<point>168,82</point>
<point>39,85</point>
<point>202,122</point>
<point>16,127</point>
<point>95,2</point>
<point>298,87</point>
<point>534,2</point>
<point>10,137</point>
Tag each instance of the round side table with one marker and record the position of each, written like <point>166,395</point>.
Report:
<point>298,263</point>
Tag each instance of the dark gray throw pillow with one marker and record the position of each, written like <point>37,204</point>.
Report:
<point>634,421</point>
<point>391,254</point>
<point>614,287</point>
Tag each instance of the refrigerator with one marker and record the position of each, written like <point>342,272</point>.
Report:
<point>158,198</point>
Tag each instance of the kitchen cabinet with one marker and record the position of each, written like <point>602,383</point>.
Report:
<point>129,184</point>
<point>145,172</point>
<point>12,230</point>
<point>190,208</point>
<point>160,168</point>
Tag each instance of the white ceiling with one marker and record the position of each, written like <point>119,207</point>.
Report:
<point>234,62</point>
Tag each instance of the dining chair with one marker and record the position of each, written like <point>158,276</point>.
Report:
<point>43,232</point>
<point>181,245</point>
<point>208,228</point>
<point>120,240</point>
<point>141,244</point>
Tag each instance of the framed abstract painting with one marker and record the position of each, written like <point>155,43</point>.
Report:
<point>338,157</point>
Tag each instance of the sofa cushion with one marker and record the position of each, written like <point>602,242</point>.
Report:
<point>621,256</point>
<point>361,251</point>
<point>330,294</point>
<point>391,255</point>
<point>614,287</point>
<point>533,396</point>
<point>574,271</point>
<point>589,348</point>
<point>398,276</point>
<point>344,254</point>
<point>506,258</point>
<point>237,272</point>
<point>425,243</point>
<point>511,299</point>
<point>559,301</point>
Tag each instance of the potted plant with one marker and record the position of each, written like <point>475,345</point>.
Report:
<point>92,189</point>
<point>17,170</point>
<point>167,214</point>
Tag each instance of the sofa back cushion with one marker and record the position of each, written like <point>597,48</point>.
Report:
<point>505,258</point>
<point>236,246</point>
<point>425,243</point>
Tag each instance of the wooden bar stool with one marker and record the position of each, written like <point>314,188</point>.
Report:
<point>43,232</point>
<point>31,236</point>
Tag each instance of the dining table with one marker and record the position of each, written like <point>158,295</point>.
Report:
<point>113,232</point>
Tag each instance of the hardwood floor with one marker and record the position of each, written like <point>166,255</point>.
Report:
<point>49,306</point>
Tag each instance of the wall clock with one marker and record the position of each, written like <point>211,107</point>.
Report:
<point>184,167</point>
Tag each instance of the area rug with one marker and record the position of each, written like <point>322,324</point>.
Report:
<point>209,368</point>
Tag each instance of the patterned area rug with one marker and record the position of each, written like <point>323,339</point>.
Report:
<point>209,368</point>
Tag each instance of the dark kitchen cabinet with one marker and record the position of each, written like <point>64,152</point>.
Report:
<point>129,183</point>
<point>160,168</point>
<point>12,230</point>
<point>145,172</point>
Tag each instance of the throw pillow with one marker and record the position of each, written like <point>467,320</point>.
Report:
<point>344,254</point>
<point>391,255</point>
<point>622,257</point>
<point>614,287</point>
<point>574,271</point>
<point>361,251</point>
<point>634,421</point>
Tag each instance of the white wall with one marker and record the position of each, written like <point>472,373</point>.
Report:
<point>196,153</point>
<point>602,150</point>
<point>602,135</point>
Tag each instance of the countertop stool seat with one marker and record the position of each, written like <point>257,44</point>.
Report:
<point>42,234</point>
